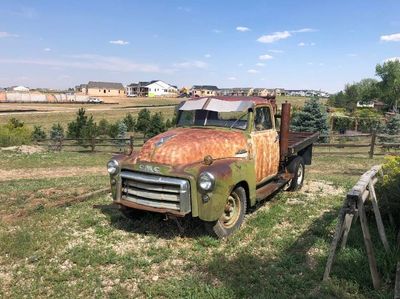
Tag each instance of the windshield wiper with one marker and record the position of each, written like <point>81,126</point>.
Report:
<point>238,120</point>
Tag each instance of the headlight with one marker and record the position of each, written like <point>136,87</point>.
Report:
<point>206,181</point>
<point>112,167</point>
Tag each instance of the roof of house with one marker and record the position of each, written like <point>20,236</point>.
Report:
<point>106,85</point>
<point>209,87</point>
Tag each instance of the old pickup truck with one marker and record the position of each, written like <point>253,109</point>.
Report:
<point>223,157</point>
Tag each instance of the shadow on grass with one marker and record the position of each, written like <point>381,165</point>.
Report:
<point>298,268</point>
<point>148,223</point>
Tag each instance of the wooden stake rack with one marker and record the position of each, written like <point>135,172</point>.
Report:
<point>354,207</point>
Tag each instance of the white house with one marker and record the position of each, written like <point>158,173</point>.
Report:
<point>20,88</point>
<point>159,88</point>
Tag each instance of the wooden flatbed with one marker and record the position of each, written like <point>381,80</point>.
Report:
<point>300,140</point>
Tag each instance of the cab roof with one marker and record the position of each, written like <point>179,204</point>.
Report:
<point>222,103</point>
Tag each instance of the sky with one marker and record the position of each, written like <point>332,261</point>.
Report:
<point>287,44</point>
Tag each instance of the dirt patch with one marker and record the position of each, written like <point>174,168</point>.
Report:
<point>321,189</point>
<point>25,149</point>
<point>42,173</point>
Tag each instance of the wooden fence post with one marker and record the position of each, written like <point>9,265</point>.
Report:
<point>373,139</point>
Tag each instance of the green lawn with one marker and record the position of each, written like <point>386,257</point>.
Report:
<point>89,249</point>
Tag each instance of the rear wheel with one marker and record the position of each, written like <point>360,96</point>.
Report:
<point>233,215</point>
<point>296,167</point>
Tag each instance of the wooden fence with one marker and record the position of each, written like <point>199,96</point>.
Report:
<point>354,207</point>
<point>371,142</point>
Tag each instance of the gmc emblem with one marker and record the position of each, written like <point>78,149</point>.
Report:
<point>149,168</point>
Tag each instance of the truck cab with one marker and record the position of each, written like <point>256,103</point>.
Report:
<point>224,156</point>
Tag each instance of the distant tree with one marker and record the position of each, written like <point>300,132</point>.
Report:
<point>168,123</point>
<point>389,72</point>
<point>122,130</point>
<point>113,130</point>
<point>38,134</point>
<point>90,132</point>
<point>75,127</point>
<point>313,118</point>
<point>57,136</point>
<point>393,125</point>
<point>157,125</point>
<point>129,122</point>
<point>143,121</point>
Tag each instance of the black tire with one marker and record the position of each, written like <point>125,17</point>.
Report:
<point>130,213</point>
<point>232,217</point>
<point>296,167</point>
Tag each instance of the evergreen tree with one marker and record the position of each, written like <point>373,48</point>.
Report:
<point>393,125</point>
<point>57,136</point>
<point>103,127</point>
<point>129,122</point>
<point>122,130</point>
<point>313,118</point>
<point>90,132</point>
<point>113,130</point>
<point>157,125</point>
<point>143,121</point>
<point>38,133</point>
<point>75,127</point>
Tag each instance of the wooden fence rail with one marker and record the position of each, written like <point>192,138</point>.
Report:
<point>354,207</point>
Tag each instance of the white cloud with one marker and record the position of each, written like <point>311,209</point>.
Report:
<point>352,55</point>
<point>207,55</point>
<point>191,64</point>
<point>303,44</point>
<point>260,64</point>
<point>275,51</point>
<point>119,42</point>
<point>47,49</point>
<point>391,37</point>
<point>92,62</point>
<point>252,71</point>
<point>232,78</point>
<point>303,30</point>
<point>392,59</point>
<point>265,57</point>
<point>271,38</point>
<point>217,31</point>
<point>242,28</point>
<point>7,34</point>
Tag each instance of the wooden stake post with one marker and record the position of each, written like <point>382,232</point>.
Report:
<point>354,205</point>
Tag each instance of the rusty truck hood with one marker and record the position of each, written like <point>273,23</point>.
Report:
<point>189,145</point>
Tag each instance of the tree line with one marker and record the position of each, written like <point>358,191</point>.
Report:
<point>386,90</point>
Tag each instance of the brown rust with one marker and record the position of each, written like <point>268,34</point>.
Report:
<point>184,146</point>
<point>284,131</point>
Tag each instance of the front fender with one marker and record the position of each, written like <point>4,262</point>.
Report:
<point>228,173</point>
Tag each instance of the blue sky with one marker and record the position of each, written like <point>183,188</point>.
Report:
<point>289,44</point>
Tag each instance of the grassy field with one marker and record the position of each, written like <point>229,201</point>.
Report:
<point>88,249</point>
<point>114,109</point>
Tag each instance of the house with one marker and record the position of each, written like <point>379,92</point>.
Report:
<point>158,88</point>
<point>19,88</point>
<point>280,92</point>
<point>263,92</point>
<point>82,88</point>
<point>139,89</point>
<point>203,90</point>
<point>105,89</point>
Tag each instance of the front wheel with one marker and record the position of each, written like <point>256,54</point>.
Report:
<point>295,167</point>
<point>233,215</point>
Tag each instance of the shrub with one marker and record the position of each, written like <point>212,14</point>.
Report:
<point>14,133</point>
<point>388,188</point>
<point>130,122</point>
<point>143,121</point>
<point>57,136</point>
<point>157,125</point>
<point>38,133</point>
<point>75,127</point>
<point>89,133</point>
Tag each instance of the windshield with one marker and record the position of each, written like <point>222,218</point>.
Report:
<point>206,118</point>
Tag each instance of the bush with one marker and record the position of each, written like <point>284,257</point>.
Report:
<point>38,133</point>
<point>388,188</point>
<point>14,133</point>
<point>157,125</point>
<point>57,136</point>
<point>129,122</point>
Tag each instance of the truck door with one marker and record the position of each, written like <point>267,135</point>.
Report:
<point>265,144</point>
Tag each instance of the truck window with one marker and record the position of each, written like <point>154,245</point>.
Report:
<point>262,119</point>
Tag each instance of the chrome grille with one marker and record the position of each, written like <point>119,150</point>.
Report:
<point>156,191</point>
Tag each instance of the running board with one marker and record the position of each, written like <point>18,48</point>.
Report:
<point>266,190</point>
